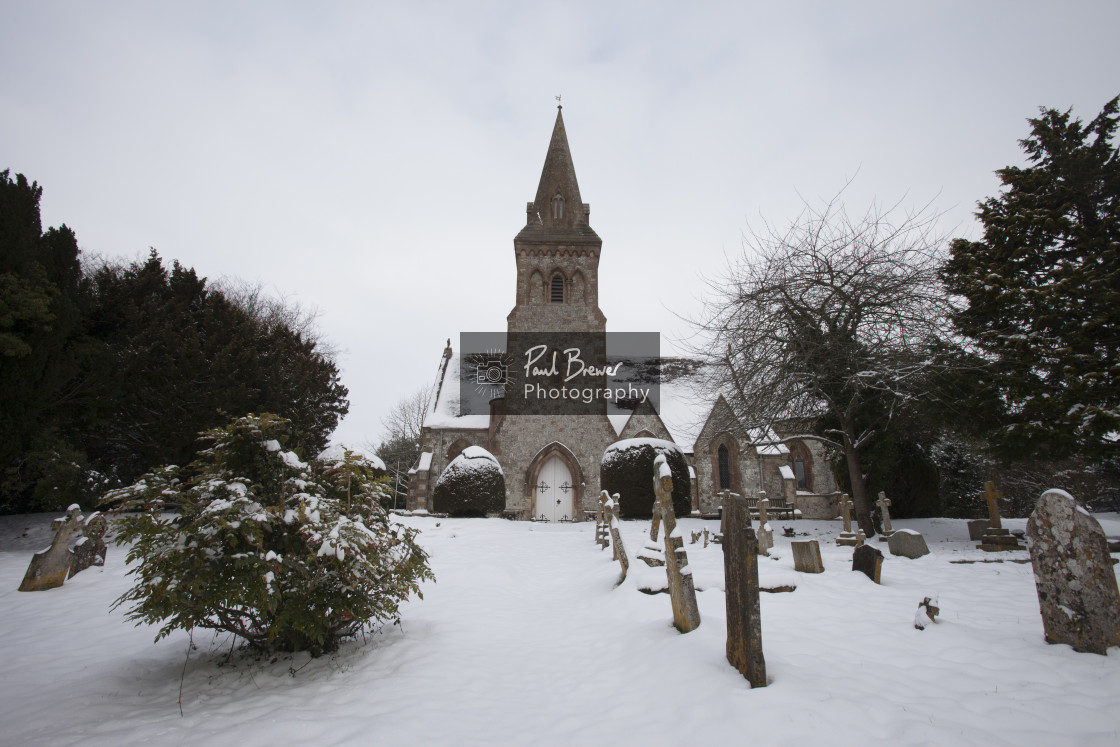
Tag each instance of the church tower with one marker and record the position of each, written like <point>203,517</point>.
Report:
<point>557,252</point>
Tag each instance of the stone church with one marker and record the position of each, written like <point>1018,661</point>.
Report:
<point>551,461</point>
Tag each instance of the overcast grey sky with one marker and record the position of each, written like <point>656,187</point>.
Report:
<point>373,160</point>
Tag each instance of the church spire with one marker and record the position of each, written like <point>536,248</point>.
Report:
<point>558,206</point>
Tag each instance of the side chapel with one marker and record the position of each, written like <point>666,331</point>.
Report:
<point>551,462</point>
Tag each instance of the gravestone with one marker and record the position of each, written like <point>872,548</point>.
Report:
<point>908,544</point>
<point>977,528</point>
<point>740,571</point>
<point>602,524</point>
<point>686,615</point>
<point>868,560</point>
<point>847,537</point>
<point>884,504</point>
<point>90,549</point>
<point>807,556</point>
<point>48,568</point>
<point>620,555</point>
<point>1077,592</point>
<point>996,538</point>
<point>765,533</point>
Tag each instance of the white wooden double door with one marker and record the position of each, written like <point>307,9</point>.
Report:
<point>554,491</point>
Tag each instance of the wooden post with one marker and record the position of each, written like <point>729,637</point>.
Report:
<point>686,615</point>
<point>740,571</point>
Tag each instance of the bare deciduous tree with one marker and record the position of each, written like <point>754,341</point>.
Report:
<point>401,445</point>
<point>829,319</point>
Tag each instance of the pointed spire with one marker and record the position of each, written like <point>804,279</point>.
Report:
<point>558,203</point>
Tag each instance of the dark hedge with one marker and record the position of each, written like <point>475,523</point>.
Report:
<point>627,469</point>
<point>470,486</point>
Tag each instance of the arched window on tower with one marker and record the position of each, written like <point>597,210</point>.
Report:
<point>724,468</point>
<point>557,289</point>
<point>557,207</point>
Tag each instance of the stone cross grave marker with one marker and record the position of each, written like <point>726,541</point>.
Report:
<point>996,538</point>
<point>847,536</point>
<point>992,496</point>
<point>1077,592</point>
<point>48,568</point>
<point>884,504</point>
<point>740,571</point>
<point>686,615</point>
<point>90,549</point>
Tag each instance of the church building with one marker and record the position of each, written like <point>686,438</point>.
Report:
<point>551,461</point>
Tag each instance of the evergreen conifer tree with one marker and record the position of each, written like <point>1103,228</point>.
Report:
<point>1042,289</point>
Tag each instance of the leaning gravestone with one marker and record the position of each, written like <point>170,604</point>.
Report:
<point>90,549</point>
<point>868,560</point>
<point>1077,592</point>
<point>807,556</point>
<point>48,568</point>
<point>740,571</point>
<point>907,543</point>
<point>611,507</point>
<point>686,615</point>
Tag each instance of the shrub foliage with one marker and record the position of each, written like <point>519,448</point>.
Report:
<point>285,554</point>
<point>472,485</point>
<point>627,469</point>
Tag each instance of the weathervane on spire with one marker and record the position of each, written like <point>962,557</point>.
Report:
<point>558,104</point>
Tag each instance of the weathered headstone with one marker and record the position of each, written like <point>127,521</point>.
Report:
<point>90,549</point>
<point>996,538</point>
<point>884,504</point>
<point>602,525</point>
<point>686,615</point>
<point>616,538</point>
<point>977,528</point>
<point>1077,592</point>
<point>908,544</point>
<point>868,560</point>
<point>740,571</point>
<point>765,533</point>
<point>847,536</point>
<point>807,556</point>
<point>48,568</point>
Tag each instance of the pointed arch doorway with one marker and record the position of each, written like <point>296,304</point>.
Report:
<point>554,490</point>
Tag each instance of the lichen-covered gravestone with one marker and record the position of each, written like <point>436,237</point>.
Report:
<point>686,615</point>
<point>907,543</point>
<point>807,556</point>
<point>1077,592</point>
<point>48,568</point>
<point>740,571</point>
<point>90,549</point>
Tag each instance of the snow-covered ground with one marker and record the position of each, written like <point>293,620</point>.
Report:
<point>525,639</point>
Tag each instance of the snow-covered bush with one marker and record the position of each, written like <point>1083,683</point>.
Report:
<point>627,469</point>
<point>472,485</point>
<point>287,555</point>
